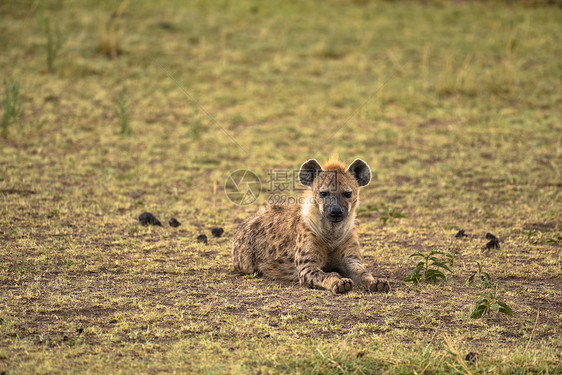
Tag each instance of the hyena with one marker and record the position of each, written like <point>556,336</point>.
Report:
<point>315,242</point>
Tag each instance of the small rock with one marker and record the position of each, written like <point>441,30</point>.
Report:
<point>165,25</point>
<point>471,357</point>
<point>202,238</point>
<point>174,222</point>
<point>147,218</point>
<point>217,232</point>
<point>461,234</point>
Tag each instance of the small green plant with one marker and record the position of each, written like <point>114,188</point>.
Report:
<point>479,274</point>
<point>430,265</point>
<point>196,123</point>
<point>451,258</point>
<point>121,111</point>
<point>490,301</point>
<point>109,42</point>
<point>53,42</point>
<point>555,239</point>
<point>536,237</point>
<point>11,102</point>
<point>53,45</point>
<point>386,212</point>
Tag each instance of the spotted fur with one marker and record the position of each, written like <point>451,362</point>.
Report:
<point>315,242</point>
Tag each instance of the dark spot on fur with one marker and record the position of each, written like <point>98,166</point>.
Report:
<point>303,262</point>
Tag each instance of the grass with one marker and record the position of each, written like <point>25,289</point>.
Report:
<point>54,42</point>
<point>121,111</point>
<point>465,135</point>
<point>11,105</point>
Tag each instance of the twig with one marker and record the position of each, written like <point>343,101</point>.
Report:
<point>532,332</point>
<point>456,354</point>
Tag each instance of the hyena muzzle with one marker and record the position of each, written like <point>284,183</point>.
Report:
<point>315,242</point>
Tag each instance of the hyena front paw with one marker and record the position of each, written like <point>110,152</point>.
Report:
<point>378,285</point>
<point>341,285</point>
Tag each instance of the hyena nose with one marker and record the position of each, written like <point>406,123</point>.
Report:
<point>336,212</point>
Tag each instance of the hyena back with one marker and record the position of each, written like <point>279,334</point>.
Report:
<point>315,242</point>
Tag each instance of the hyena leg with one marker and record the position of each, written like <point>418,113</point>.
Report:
<point>354,268</point>
<point>311,274</point>
<point>243,257</point>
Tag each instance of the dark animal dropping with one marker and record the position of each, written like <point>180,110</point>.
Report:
<point>471,357</point>
<point>494,242</point>
<point>202,238</point>
<point>217,232</point>
<point>174,222</point>
<point>147,218</point>
<point>461,234</point>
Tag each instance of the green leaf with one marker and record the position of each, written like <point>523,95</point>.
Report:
<point>471,278</point>
<point>505,308</point>
<point>495,307</point>
<point>417,255</point>
<point>415,278</point>
<point>432,276</point>
<point>442,265</point>
<point>479,311</point>
<point>433,252</point>
<point>415,274</point>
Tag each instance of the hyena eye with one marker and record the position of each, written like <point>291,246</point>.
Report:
<point>347,194</point>
<point>323,194</point>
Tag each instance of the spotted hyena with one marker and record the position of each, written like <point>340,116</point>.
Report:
<point>315,242</point>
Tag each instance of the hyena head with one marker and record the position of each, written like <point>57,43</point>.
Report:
<point>334,189</point>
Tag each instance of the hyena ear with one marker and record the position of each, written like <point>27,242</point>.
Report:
<point>309,170</point>
<point>361,171</point>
